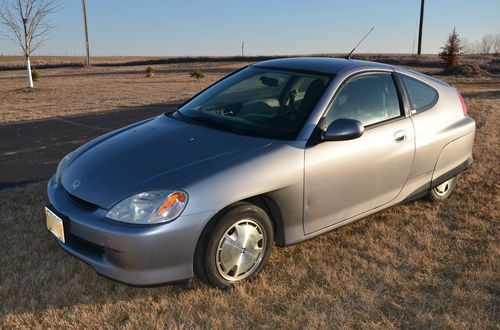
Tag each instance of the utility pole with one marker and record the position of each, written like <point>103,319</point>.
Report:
<point>242,49</point>
<point>84,7</point>
<point>420,28</point>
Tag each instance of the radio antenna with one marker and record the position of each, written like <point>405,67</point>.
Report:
<point>352,51</point>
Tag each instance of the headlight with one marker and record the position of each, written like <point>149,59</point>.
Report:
<point>62,165</point>
<point>150,207</point>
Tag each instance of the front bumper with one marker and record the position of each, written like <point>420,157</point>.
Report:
<point>133,254</point>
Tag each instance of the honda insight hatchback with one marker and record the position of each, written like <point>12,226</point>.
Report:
<point>277,152</point>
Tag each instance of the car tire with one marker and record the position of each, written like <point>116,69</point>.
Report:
<point>235,247</point>
<point>443,190</point>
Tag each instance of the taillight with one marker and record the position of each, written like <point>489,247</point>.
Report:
<point>464,107</point>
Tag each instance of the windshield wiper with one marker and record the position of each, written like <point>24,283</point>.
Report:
<point>216,124</point>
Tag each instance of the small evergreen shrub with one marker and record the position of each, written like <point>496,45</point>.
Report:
<point>197,74</point>
<point>150,71</point>
<point>452,51</point>
<point>35,75</point>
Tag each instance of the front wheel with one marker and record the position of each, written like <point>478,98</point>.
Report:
<point>443,191</point>
<point>237,246</point>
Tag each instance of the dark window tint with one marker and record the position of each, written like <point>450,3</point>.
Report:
<point>420,95</point>
<point>369,98</point>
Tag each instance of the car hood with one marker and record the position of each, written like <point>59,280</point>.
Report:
<point>155,154</point>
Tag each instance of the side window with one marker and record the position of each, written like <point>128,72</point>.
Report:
<point>369,98</point>
<point>421,96</point>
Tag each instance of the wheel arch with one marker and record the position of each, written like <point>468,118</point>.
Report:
<point>269,205</point>
<point>264,201</point>
<point>453,158</point>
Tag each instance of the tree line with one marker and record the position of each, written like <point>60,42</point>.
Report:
<point>488,44</point>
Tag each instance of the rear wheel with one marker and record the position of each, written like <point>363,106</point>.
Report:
<point>442,191</point>
<point>236,248</point>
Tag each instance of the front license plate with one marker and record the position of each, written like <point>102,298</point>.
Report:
<point>54,224</point>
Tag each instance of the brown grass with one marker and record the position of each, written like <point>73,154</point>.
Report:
<point>67,91</point>
<point>417,265</point>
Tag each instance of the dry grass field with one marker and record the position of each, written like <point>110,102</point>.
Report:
<point>417,265</point>
<point>69,91</point>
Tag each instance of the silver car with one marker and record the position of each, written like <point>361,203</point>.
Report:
<point>278,152</point>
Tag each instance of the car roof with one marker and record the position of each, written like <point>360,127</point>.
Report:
<point>328,65</point>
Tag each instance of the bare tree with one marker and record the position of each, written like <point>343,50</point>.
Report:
<point>27,24</point>
<point>496,43</point>
<point>487,44</point>
<point>468,46</point>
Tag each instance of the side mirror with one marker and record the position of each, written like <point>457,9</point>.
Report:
<point>343,129</point>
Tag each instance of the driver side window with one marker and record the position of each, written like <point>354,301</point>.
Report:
<point>370,98</point>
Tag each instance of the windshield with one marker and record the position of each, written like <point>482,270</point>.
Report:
<point>258,101</point>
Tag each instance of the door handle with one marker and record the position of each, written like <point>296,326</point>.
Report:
<point>400,136</point>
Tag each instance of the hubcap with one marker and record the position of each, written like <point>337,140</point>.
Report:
<point>240,250</point>
<point>443,188</point>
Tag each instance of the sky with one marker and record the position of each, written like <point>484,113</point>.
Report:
<point>268,27</point>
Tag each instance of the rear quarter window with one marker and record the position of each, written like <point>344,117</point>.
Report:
<point>420,95</point>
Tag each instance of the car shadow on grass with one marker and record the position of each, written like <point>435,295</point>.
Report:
<point>31,150</point>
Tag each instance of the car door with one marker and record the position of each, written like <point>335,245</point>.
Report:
<point>343,179</point>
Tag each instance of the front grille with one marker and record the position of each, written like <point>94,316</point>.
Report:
<point>84,247</point>
<point>83,203</point>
